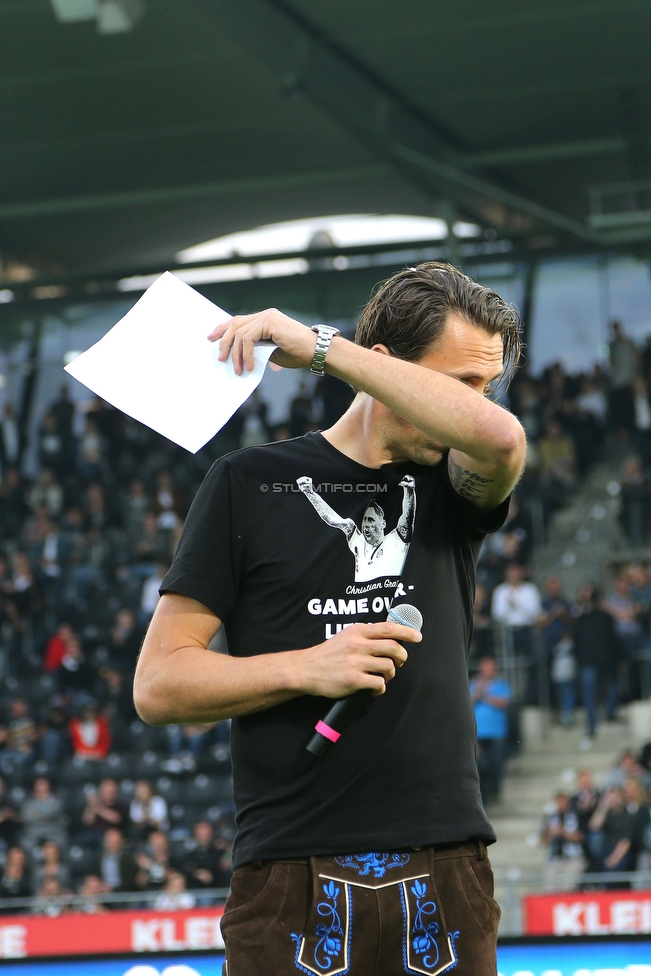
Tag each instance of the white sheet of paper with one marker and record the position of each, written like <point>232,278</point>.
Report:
<point>157,366</point>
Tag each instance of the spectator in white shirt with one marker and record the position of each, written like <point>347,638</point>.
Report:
<point>147,812</point>
<point>642,431</point>
<point>516,603</point>
<point>174,897</point>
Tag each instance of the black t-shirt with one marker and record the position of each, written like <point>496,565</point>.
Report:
<point>286,568</point>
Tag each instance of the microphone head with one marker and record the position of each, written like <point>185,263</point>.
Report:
<point>405,614</point>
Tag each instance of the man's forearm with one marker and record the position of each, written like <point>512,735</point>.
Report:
<point>444,408</point>
<point>196,685</point>
<point>179,681</point>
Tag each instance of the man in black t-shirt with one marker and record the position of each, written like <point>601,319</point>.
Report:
<point>371,858</point>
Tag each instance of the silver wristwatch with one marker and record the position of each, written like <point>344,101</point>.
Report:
<point>324,336</point>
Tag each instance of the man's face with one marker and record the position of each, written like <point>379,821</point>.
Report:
<point>107,790</point>
<point>41,789</point>
<point>554,587</point>
<point>203,833</point>
<point>112,841</point>
<point>18,708</point>
<point>466,353</point>
<point>124,619</point>
<point>487,668</point>
<point>373,526</point>
<point>562,803</point>
<point>586,593</point>
<point>630,791</point>
<point>158,844</point>
<point>638,576</point>
<point>514,574</point>
<point>585,781</point>
<point>629,764</point>
<point>616,798</point>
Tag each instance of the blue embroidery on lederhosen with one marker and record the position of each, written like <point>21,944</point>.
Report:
<point>378,863</point>
<point>331,953</point>
<point>422,936</point>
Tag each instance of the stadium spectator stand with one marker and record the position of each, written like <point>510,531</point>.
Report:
<point>92,801</point>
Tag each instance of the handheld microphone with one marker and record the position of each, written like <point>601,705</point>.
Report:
<point>328,730</point>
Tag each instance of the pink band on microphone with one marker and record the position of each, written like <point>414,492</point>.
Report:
<point>326,731</point>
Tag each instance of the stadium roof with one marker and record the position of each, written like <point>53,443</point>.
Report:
<point>195,118</point>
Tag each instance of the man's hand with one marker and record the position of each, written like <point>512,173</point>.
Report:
<point>296,342</point>
<point>179,681</point>
<point>360,656</point>
<point>305,483</point>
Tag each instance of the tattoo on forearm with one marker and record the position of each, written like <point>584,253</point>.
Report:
<point>468,484</point>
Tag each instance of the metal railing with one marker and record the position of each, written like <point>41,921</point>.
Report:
<point>510,887</point>
<point>146,900</point>
<point>526,664</point>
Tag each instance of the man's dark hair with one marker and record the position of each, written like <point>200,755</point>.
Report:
<point>376,508</point>
<point>408,312</point>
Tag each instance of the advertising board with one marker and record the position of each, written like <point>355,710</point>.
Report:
<point>182,965</point>
<point>575,957</point>
<point>189,943</point>
<point>25,936</point>
<point>591,913</point>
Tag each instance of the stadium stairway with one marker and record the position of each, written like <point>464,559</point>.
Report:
<point>585,534</point>
<point>533,777</point>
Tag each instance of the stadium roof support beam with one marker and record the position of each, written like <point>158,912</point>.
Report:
<point>307,62</point>
<point>543,152</point>
<point>192,191</point>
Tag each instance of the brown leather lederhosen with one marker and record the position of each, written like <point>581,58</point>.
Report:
<point>418,911</point>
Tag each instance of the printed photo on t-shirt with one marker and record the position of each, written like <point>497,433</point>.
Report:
<point>377,552</point>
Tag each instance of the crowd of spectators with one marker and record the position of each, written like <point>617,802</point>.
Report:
<point>602,831</point>
<point>592,648</point>
<point>573,648</point>
<point>91,800</point>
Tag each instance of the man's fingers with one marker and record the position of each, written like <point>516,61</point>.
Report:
<point>236,352</point>
<point>248,344</point>
<point>233,323</point>
<point>225,345</point>
<point>388,629</point>
<point>384,666</point>
<point>376,685</point>
<point>218,332</point>
<point>388,650</point>
<point>238,339</point>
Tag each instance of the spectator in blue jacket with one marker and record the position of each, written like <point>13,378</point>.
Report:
<point>490,696</point>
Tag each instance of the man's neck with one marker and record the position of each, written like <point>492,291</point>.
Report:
<point>356,434</point>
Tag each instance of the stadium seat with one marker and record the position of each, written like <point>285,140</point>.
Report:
<point>78,771</point>
<point>200,790</point>
<point>144,738</point>
<point>172,790</point>
<point>41,691</point>
<point>117,766</point>
<point>146,766</point>
<point>81,862</point>
<point>183,817</point>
